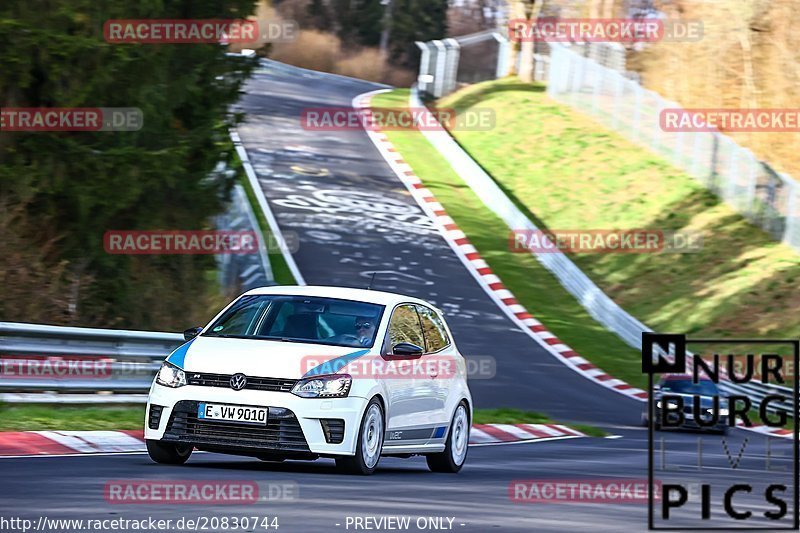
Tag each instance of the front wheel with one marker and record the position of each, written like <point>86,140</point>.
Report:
<point>455,451</point>
<point>369,443</point>
<point>168,454</point>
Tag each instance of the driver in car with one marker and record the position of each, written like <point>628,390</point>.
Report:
<point>365,329</point>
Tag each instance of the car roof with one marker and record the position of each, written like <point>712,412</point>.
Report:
<point>344,293</point>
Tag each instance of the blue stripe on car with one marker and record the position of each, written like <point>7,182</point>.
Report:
<point>179,355</point>
<point>334,365</point>
<point>439,433</point>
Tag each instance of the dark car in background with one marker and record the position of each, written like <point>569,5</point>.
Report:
<point>681,390</point>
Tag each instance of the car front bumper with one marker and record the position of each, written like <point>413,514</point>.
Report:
<point>295,426</point>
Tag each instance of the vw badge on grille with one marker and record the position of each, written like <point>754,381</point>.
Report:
<point>238,381</point>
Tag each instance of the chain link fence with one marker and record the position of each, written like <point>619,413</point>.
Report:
<point>769,199</point>
<point>592,78</point>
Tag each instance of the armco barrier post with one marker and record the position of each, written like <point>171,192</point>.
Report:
<point>438,76</point>
<point>424,68</point>
<point>451,65</point>
<point>503,53</point>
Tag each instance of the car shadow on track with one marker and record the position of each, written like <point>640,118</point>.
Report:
<point>321,466</point>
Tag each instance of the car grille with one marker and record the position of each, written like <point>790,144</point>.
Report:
<point>253,383</point>
<point>282,431</point>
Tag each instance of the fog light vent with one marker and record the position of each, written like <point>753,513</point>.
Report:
<point>333,428</point>
<point>154,419</point>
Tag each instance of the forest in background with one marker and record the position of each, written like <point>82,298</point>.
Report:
<point>61,191</point>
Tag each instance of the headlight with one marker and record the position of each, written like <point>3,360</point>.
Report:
<point>170,376</point>
<point>335,386</point>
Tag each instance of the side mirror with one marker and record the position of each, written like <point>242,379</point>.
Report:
<point>406,348</point>
<point>191,333</point>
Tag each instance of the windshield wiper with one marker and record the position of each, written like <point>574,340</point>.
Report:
<point>282,339</point>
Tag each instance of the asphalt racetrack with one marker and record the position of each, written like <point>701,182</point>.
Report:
<point>352,217</point>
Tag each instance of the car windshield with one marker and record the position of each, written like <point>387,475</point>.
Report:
<point>686,386</point>
<point>300,319</point>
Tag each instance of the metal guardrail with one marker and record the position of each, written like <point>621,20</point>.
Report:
<point>602,308</point>
<point>122,364</point>
<point>80,360</point>
<point>757,392</point>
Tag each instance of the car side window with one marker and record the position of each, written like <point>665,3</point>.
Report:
<point>404,326</point>
<point>433,328</point>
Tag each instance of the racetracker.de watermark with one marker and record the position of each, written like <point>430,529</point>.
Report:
<point>581,491</point>
<point>39,119</point>
<point>180,242</point>
<point>54,367</point>
<point>632,241</point>
<point>732,120</point>
<point>396,367</point>
<point>197,31</point>
<point>594,30</point>
<point>207,492</point>
<point>399,118</point>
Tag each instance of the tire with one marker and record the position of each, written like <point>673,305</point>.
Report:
<point>369,443</point>
<point>454,455</point>
<point>168,454</point>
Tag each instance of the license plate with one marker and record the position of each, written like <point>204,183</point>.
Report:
<point>232,413</point>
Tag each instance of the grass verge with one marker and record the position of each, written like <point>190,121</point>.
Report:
<point>85,418</point>
<point>534,287</point>
<point>566,171</point>
<point>70,417</point>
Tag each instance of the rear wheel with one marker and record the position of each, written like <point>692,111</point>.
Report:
<point>369,443</point>
<point>168,454</point>
<point>455,452</point>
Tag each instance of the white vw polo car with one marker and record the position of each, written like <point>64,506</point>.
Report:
<point>308,372</point>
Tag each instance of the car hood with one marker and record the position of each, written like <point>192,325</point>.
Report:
<point>254,357</point>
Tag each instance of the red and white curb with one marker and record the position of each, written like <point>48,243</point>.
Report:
<point>480,269</point>
<point>506,433</point>
<point>766,430</point>
<point>492,284</point>
<point>36,443</point>
<point>17,443</point>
